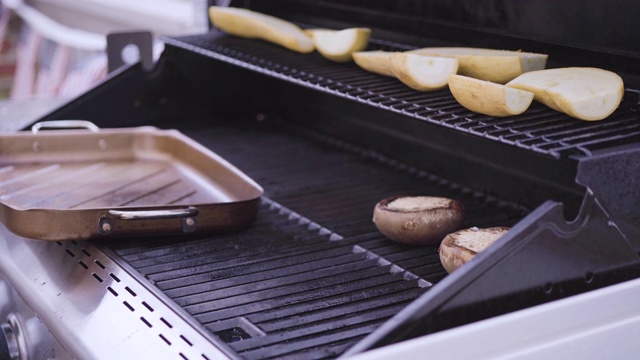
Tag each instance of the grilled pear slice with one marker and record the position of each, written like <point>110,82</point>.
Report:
<point>417,220</point>
<point>489,98</point>
<point>254,25</point>
<point>499,66</point>
<point>581,92</point>
<point>422,73</point>
<point>461,246</point>
<point>338,45</point>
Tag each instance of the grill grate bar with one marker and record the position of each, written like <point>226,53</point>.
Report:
<point>246,255</point>
<point>218,290</point>
<point>322,327</point>
<point>380,305</point>
<point>232,277</point>
<point>161,254</point>
<point>335,307</point>
<point>300,292</point>
<point>311,342</point>
<point>318,298</point>
<point>255,264</point>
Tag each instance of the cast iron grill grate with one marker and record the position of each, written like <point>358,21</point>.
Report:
<point>539,129</point>
<point>312,275</point>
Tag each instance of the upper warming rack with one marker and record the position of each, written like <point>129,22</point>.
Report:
<point>539,129</point>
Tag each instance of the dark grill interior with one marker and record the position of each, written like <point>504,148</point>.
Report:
<point>312,275</point>
<point>539,129</point>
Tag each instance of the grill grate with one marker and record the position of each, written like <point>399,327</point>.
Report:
<point>312,275</point>
<point>539,129</point>
<point>276,285</point>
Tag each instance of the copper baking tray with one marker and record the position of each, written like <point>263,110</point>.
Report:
<point>88,183</point>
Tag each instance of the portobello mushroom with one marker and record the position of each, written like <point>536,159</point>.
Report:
<point>461,246</point>
<point>418,220</point>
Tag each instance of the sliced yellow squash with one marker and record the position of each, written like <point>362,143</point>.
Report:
<point>581,92</point>
<point>499,66</point>
<point>254,25</point>
<point>489,98</point>
<point>423,73</point>
<point>338,45</point>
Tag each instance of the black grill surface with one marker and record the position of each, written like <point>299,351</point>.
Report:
<point>312,275</point>
<point>539,129</point>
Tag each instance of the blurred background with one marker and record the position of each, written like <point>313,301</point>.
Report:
<point>51,50</point>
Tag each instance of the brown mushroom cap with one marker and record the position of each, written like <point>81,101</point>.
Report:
<point>417,220</point>
<point>461,246</point>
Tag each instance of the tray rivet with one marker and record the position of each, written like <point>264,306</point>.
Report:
<point>189,222</point>
<point>106,227</point>
<point>35,146</point>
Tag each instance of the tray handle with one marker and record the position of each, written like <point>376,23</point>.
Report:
<point>65,124</point>
<point>188,216</point>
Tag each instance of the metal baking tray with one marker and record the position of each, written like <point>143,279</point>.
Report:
<point>86,183</point>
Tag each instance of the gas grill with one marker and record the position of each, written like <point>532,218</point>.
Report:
<point>312,277</point>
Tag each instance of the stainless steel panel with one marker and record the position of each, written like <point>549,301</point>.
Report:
<point>94,307</point>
